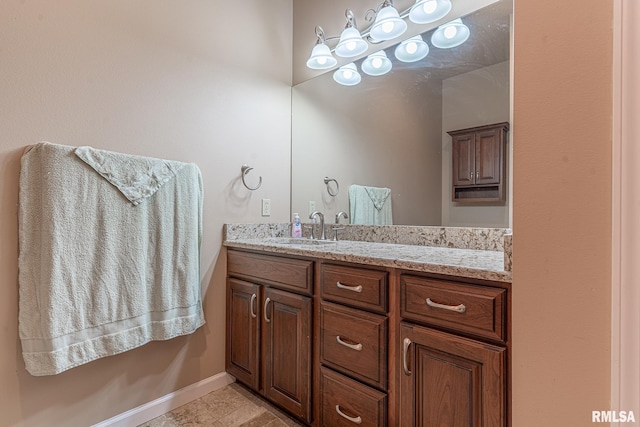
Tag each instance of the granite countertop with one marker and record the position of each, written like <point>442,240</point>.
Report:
<point>471,263</point>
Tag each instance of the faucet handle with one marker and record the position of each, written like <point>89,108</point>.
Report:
<point>335,231</point>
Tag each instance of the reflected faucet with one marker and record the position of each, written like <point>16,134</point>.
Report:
<point>339,215</point>
<point>321,216</point>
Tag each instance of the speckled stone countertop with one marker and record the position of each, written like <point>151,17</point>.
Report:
<point>471,263</point>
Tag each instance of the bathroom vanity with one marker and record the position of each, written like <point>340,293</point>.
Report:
<point>370,333</point>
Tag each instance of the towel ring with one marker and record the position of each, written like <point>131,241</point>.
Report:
<point>327,180</point>
<point>245,170</point>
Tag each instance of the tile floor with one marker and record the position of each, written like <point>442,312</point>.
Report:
<point>230,406</point>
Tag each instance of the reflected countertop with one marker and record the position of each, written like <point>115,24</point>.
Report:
<point>471,263</point>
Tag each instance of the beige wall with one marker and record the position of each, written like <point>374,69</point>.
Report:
<point>368,136</point>
<point>476,98</point>
<point>151,78</point>
<point>562,212</point>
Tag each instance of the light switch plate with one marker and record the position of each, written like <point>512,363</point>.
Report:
<point>312,206</point>
<point>266,207</point>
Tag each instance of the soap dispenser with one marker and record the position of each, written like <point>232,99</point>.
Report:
<point>296,228</point>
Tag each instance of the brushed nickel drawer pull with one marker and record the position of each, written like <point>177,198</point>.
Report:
<point>253,300</point>
<point>405,355</point>
<point>266,305</point>
<point>356,420</point>
<point>357,347</point>
<point>349,288</point>
<point>457,308</point>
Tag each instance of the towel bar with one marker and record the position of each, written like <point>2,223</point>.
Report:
<point>245,169</point>
<point>327,180</point>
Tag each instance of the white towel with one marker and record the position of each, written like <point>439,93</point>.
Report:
<point>109,254</point>
<point>370,205</point>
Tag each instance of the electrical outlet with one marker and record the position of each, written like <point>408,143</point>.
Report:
<point>266,207</point>
<point>312,206</point>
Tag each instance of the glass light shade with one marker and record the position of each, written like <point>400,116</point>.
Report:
<point>388,24</point>
<point>347,75</point>
<point>321,58</point>
<point>425,11</point>
<point>412,49</point>
<point>351,43</point>
<point>376,64</point>
<point>450,35</point>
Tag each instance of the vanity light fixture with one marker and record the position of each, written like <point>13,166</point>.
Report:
<point>412,49</point>
<point>426,11</point>
<point>347,75</point>
<point>388,24</point>
<point>451,34</point>
<point>376,64</point>
<point>321,57</point>
<point>351,43</point>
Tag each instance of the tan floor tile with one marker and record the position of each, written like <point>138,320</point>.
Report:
<point>241,415</point>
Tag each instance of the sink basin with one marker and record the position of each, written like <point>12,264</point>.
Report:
<point>303,241</point>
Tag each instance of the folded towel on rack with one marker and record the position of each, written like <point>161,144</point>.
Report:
<point>370,205</point>
<point>99,273</point>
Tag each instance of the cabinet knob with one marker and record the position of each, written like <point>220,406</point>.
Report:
<point>405,356</point>
<point>356,347</point>
<point>355,420</point>
<point>349,288</point>
<point>461,308</point>
<point>253,300</point>
<point>266,305</point>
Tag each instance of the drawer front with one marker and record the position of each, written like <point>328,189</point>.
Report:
<point>357,287</point>
<point>346,403</point>
<point>355,343</point>
<point>478,310</point>
<point>283,272</point>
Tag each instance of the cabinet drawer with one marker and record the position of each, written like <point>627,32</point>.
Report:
<point>478,310</point>
<point>345,402</point>
<point>354,342</point>
<point>357,287</point>
<point>282,272</point>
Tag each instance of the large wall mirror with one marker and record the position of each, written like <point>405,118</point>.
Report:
<point>391,131</point>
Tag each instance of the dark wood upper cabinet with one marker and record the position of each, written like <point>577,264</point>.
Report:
<point>479,163</point>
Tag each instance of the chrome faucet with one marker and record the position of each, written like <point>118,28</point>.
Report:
<point>321,216</point>
<point>339,215</point>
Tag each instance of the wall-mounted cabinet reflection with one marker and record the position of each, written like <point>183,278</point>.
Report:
<point>479,163</point>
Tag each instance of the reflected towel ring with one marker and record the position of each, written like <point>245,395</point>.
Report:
<point>245,170</point>
<point>327,180</point>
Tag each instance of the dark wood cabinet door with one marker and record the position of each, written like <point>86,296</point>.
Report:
<point>286,351</point>
<point>447,380</point>
<point>243,320</point>
<point>463,147</point>
<point>488,156</point>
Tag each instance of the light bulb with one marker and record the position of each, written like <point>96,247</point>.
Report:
<point>322,61</point>
<point>387,27</point>
<point>430,6</point>
<point>450,32</point>
<point>350,45</point>
<point>412,48</point>
<point>376,63</point>
<point>347,74</point>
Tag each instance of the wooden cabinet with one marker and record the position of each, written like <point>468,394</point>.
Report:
<point>368,345</point>
<point>453,363</point>
<point>269,330</point>
<point>450,381</point>
<point>479,163</point>
<point>353,340</point>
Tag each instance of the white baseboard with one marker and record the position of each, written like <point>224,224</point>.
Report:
<point>167,403</point>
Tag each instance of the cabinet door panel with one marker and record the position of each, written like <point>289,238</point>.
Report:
<point>286,351</point>
<point>450,380</point>
<point>463,159</point>
<point>243,320</point>
<point>488,157</point>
